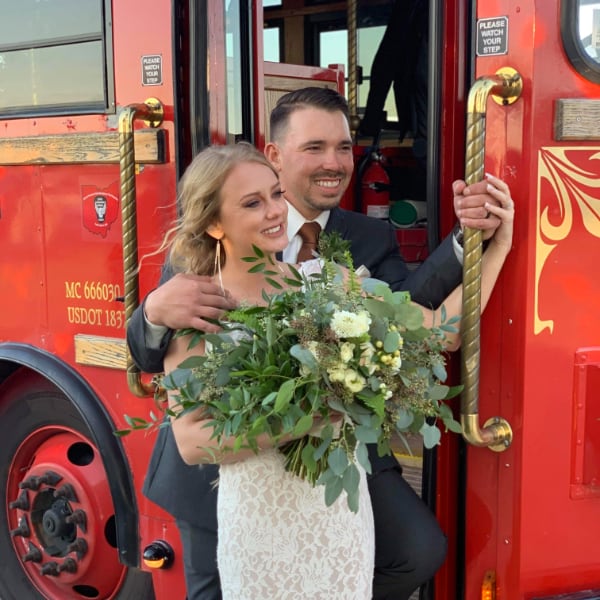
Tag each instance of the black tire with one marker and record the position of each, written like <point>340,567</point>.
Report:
<point>28,405</point>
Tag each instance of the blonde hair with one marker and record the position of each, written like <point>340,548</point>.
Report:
<point>191,248</point>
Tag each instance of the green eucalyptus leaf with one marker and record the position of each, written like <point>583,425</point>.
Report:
<point>305,357</point>
<point>404,419</point>
<point>443,313</point>
<point>445,411</point>
<point>366,434</point>
<point>337,460</point>
<point>439,370</point>
<point>438,392</point>
<point>192,362</point>
<point>322,449</point>
<point>431,435</point>
<point>409,315</point>
<point>351,479</point>
<point>326,476</point>
<point>453,425</point>
<point>353,500</point>
<point>333,489</point>
<point>222,376</point>
<point>379,308</point>
<point>362,457</point>
<point>454,391</point>
<point>391,342</point>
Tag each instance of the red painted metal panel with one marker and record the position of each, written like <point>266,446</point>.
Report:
<point>522,518</point>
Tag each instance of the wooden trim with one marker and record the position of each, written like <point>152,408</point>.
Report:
<point>289,84</point>
<point>76,148</point>
<point>98,351</point>
<point>577,119</point>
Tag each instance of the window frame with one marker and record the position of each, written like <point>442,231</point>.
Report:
<point>106,106</point>
<point>569,26</point>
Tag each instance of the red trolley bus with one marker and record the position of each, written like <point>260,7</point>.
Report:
<point>102,106</point>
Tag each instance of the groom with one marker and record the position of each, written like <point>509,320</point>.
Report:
<point>311,148</point>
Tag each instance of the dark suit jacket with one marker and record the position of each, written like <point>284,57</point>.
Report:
<point>187,492</point>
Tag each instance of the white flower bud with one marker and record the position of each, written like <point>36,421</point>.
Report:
<point>346,351</point>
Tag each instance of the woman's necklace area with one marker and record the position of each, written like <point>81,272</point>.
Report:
<point>247,288</point>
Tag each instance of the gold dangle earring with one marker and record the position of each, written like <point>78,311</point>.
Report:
<point>217,267</point>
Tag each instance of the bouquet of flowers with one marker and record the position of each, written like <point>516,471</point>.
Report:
<point>331,349</point>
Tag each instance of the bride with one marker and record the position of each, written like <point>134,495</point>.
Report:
<point>277,538</point>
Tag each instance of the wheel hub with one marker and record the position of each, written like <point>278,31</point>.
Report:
<point>62,517</point>
<point>52,528</point>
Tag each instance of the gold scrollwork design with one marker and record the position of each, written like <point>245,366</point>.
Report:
<point>574,187</point>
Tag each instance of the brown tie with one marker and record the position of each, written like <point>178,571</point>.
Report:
<point>309,232</point>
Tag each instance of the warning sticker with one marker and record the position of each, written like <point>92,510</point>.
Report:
<point>492,36</point>
<point>152,69</point>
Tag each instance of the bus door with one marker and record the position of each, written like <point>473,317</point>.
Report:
<point>531,518</point>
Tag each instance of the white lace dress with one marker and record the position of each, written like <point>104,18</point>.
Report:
<point>279,541</point>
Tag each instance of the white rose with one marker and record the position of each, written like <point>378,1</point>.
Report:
<point>337,373</point>
<point>346,351</point>
<point>354,381</point>
<point>395,363</point>
<point>346,324</point>
<point>366,357</point>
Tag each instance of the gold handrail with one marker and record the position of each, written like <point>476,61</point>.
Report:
<point>505,87</point>
<point>152,112</point>
<point>353,65</point>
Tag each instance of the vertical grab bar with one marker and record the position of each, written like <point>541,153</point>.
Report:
<point>152,112</point>
<point>505,87</point>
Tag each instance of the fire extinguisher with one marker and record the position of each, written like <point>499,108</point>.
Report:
<point>372,185</point>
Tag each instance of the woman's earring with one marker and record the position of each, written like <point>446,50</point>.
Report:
<point>217,267</point>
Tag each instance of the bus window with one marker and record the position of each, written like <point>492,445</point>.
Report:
<point>589,28</point>
<point>333,49</point>
<point>238,71</point>
<point>316,34</point>
<point>272,43</point>
<point>272,36</point>
<point>53,57</point>
<point>580,28</point>
<point>234,71</point>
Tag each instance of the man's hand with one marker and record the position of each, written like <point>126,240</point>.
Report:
<point>469,206</point>
<point>186,301</point>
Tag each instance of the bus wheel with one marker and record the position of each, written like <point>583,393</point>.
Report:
<point>57,530</point>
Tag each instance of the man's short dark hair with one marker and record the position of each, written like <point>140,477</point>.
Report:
<point>308,97</point>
